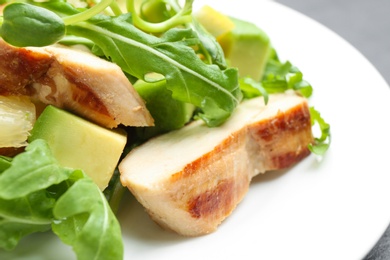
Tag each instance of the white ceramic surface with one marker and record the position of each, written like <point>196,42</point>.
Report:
<point>333,209</point>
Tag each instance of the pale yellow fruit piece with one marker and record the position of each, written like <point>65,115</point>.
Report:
<point>17,117</point>
<point>216,23</point>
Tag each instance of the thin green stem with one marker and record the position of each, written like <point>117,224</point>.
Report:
<point>89,13</point>
<point>115,8</point>
<point>181,17</point>
<point>174,5</point>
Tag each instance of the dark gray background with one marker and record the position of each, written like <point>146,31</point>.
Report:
<point>363,23</point>
<point>366,25</point>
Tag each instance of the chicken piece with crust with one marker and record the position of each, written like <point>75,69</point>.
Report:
<point>74,80</point>
<point>191,179</point>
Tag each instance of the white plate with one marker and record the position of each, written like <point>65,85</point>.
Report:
<point>334,209</point>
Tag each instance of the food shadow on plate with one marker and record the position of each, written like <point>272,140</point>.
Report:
<point>268,176</point>
<point>136,223</point>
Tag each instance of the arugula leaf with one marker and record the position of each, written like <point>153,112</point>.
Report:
<point>208,47</point>
<point>278,77</point>
<point>25,207</point>
<point>252,88</point>
<point>88,225</point>
<point>213,90</point>
<point>216,92</point>
<point>23,216</point>
<point>321,143</point>
<point>53,197</point>
<point>33,170</point>
<point>160,11</point>
<point>5,163</point>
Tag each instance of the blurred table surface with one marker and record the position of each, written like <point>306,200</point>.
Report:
<point>365,25</point>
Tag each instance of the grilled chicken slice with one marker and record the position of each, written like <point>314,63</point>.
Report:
<point>191,179</point>
<point>73,80</point>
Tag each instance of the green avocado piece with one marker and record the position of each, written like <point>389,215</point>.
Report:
<point>80,144</point>
<point>247,48</point>
<point>168,113</point>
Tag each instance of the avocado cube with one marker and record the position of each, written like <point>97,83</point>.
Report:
<point>247,48</point>
<point>167,112</point>
<point>80,144</point>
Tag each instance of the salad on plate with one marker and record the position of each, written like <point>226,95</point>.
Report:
<point>97,96</point>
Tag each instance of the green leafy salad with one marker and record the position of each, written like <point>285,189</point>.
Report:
<point>182,64</point>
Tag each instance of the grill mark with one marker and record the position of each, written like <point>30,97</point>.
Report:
<point>294,121</point>
<point>84,94</point>
<point>19,69</point>
<point>220,200</point>
<point>290,158</point>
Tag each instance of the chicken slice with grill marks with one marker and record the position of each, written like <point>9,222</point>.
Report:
<point>191,179</point>
<point>74,80</point>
